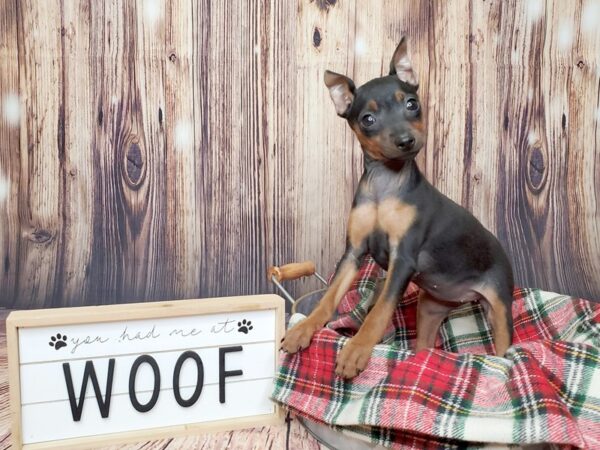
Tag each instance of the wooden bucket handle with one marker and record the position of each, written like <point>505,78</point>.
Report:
<point>291,271</point>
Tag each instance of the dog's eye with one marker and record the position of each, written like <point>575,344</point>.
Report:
<point>412,104</point>
<point>368,120</point>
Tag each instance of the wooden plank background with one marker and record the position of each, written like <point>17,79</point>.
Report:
<point>176,149</point>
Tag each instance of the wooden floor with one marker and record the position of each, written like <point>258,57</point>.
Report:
<point>256,438</point>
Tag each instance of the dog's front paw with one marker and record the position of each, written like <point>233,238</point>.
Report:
<point>298,337</point>
<point>352,359</point>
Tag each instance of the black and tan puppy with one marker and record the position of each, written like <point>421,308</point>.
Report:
<point>410,228</point>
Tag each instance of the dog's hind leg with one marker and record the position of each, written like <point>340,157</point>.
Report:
<point>430,315</point>
<point>498,309</point>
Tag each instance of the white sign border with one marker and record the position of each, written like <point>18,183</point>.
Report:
<point>133,311</point>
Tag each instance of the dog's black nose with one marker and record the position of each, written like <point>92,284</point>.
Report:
<point>405,142</point>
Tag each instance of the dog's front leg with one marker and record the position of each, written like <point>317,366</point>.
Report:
<point>353,358</point>
<point>299,336</point>
<point>360,225</point>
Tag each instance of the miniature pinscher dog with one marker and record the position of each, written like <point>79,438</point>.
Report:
<point>409,228</point>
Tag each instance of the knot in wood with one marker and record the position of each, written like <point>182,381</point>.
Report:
<point>324,5</point>
<point>40,236</point>
<point>536,173</point>
<point>135,164</point>
<point>317,37</point>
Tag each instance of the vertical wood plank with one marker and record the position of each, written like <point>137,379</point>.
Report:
<point>448,151</point>
<point>42,151</point>
<point>481,183</point>
<point>114,88</point>
<point>10,110</point>
<point>583,155</point>
<point>156,242</point>
<point>142,156</point>
<point>522,124</point>
<point>282,183</point>
<point>202,91</point>
<point>232,145</point>
<point>76,169</point>
<point>324,153</point>
<point>185,232</point>
<point>571,250</point>
<point>128,240</point>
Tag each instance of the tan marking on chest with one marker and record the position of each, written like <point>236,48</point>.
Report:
<point>395,218</point>
<point>362,222</point>
<point>392,216</point>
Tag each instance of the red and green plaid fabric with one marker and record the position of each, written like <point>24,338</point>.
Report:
<point>546,389</point>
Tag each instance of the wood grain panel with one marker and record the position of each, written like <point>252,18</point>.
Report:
<point>323,157</point>
<point>173,150</point>
<point>485,121</point>
<point>450,114</point>
<point>76,111</point>
<point>9,149</point>
<point>231,178</point>
<point>128,240</point>
<point>42,152</point>
<point>160,34</point>
<point>105,268</point>
<point>283,224</point>
<point>537,212</point>
<point>579,244</point>
<point>176,122</point>
<point>522,123</point>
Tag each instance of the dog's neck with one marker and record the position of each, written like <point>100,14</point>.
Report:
<point>387,177</point>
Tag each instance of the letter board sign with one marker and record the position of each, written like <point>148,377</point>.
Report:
<point>99,375</point>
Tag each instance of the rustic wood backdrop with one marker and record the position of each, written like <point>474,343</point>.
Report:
<point>155,150</point>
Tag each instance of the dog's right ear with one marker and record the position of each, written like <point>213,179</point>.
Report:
<point>341,90</point>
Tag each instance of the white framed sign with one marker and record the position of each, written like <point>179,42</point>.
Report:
<point>98,375</point>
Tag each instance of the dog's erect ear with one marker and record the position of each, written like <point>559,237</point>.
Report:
<point>341,89</point>
<point>401,65</point>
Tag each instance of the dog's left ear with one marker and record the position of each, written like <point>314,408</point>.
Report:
<point>401,65</point>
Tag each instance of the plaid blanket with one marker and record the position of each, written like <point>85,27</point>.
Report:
<point>546,389</point>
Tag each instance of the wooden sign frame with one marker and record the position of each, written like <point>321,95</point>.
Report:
<point>124,313</point>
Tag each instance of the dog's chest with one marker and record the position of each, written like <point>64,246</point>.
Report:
<point>388,219</point>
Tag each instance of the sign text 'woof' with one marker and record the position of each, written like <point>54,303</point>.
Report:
<point>117,369</point>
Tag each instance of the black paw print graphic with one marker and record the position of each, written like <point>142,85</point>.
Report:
<point>59,341</point>
<point>245,326</point>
